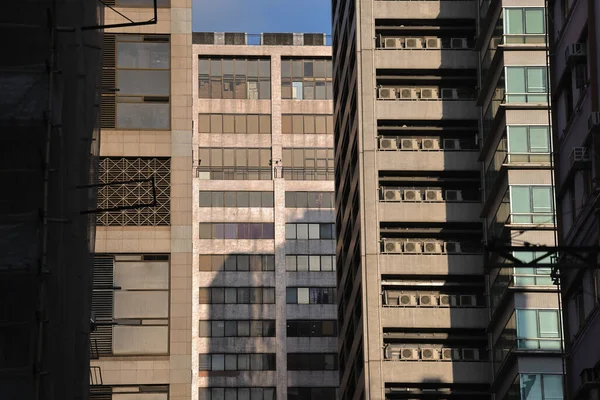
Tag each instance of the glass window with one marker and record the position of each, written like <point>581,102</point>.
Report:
<point>243,328</point>
<point>306,79</point>
<point>234,78</point>
<point>290,231</point>
<point>204,330</point>
<point>218,328</point>
<point>218,362</point>
<point>291,296</point>
<point>303,296</point>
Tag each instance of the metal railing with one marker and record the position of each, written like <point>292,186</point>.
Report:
<point>524,38</point>
<point>307,174</point>
<point>234,173</point>
<point>537,97</point>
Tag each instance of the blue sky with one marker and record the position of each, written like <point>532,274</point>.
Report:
<point>256,16</point>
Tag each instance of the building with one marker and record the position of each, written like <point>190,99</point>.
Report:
<point>48,151</point>
<point>574,38</point>
<point>264,315</point>
<point>518,209</point>
<point>411,306</point>
<point>416,282</point>
<point>141,303</point>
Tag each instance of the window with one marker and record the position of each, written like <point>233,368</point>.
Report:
<point>307,124</point>
<point>234,78</point>
<point>303,295</point>
<point>237,295</point>
<point>306,79</point>
<point>309,231</point>
<point>532,205</point>
<point>313,262</point>
<point>528,143</point>
<point>308,164</point>
<point>524,25</point>
<point>312,362</point>
<point>234,163</point>
<point>308,393</point>
<point>236,231</point>
<point>237,328</point>
<point>309,200</point>
<point>237,393</point>
<point>529,276</point>
<point>236,199</point>
<point>234,123</point>
<point>237,362</point>
<point>526,85</point>
<point>541,387</point>
<point>538,329</point>
<point>139,67</point>
<point>236,262</point>
<point>314,328</point>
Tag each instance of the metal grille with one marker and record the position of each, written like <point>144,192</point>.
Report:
<point>100,393</point>
<point>109,83</point>
<point>131,194</point>
<point>102,306</point>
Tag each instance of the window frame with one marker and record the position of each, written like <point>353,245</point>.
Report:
<point>256,87</point>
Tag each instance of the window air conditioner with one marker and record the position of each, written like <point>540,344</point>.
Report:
<point>594,121</point>
<point>433,43</point>
<point>430,354</point>
<point>408,300</point>
<point>392,195</point>
<point>387,93</point>
<point>409,144</point>
<point>409,354</point>
<point>427,300</point>
<point>412,247</point>
<point>429,93</point>
<point>407,93</point>
<point>392,246</point>
<point>470,354</point>
<point>412,195</point>
<point>448,354</point>
<point>388,144</point>
<point>459,43</point>
<point>431,144</point>
<point>432,247</point>
<point>467,300</point>
<point>392,43</point>
<point>575,50</point>
<point>449,93</point>
<point>451,144</point>
<point>413,43</point>
<point>452,247</point>
<point>433,195</point>
<point>445,300</point>
<point>579,155</point>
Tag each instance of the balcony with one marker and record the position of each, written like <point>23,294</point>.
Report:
<point>436,371</point>
<point>425,58</point>
<point>434,317</point>
<point>429,211</point>
<point>440,160</point>
<point>425,10</point>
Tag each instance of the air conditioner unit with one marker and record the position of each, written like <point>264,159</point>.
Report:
<point>452,247</point>
<point>454,195</point>
<point>448,354</point>
<point>430,354</point>
<point>445,300</point>
<point>407,93</point>
<point>588,375</point>
<point>430,144</point>
<point>408,300</point>
<point>388,144</point>
<point>392,195</point>
<point>467,300</point>
<point>432,247</point>
<point>433,195</point>
<point>433,43</point>
<point>575,50</point>
<point>449,93</point>
<point>412,195</point>
<point>451,144</point>
<point>387,93</point>
<point>412,247</point>
<point>470,354</point>
<point>594,121</point>
<point>579,155</point>
<point>429,93</point>
<point>392,43</point>
<point>409,354</point>
<point>459,43</point>
<point>409,144</point>
<point>413,43</point>
<point>392,246</point>
<point>427,300</point>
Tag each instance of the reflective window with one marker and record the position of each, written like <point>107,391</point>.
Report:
<point>234,78</point>
<point>306,79</point>
<point>237,362</point>
<point>237,328</point>
<point>238,295</point>
<point>299,295</point>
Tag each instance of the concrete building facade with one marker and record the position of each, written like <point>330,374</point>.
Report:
<point>575,56</point>
<point>141,348</point>
<point>264,314</point>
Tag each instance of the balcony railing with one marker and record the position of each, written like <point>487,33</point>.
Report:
<point>521,38</point>
<point>511,276</point>
<point>534,218</point>
<point>234,173</point>
<point>308,174</point>
<point>520,98</point>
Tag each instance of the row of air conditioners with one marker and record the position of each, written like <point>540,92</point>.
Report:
<point>432,354</point>
<point>433,300</point>
<point>418,144</point>
<point>395,246</point>
<point>414,195</point>
<point>387,93</point>
<point>422,43</point>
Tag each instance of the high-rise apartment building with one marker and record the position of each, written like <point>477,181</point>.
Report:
<point>141,347</point>
<point>264,314</point>
<point>426,310</point>
<point>574,41</point>
<point>518,200</point>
